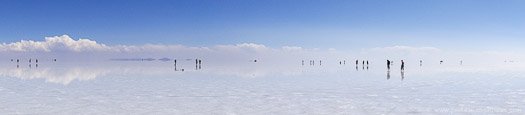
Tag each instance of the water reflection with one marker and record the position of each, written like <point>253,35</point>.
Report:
<point>388,75</point>
<point>66,72</point>
<point>402,75</point>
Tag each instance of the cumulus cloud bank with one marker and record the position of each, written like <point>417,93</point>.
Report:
<point>89,49</point>
<point>63,42</point>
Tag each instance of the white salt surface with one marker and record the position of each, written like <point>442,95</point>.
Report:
<point>117,87</point>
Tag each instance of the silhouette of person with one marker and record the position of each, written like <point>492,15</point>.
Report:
<point>339,62</point>
<point>461,62</point>
<point>302,62</point>
<point>200,62</point>
<point>366,62</point>
<point>320,62</point>
<point>356,62</point>
<point>29,60</point>
<point>11,59</point>
<point>388,64</point>
<point>420,62</point>
<point>17,60</point>
<point>344,62</point>
<point>196,61</point>
<point>402,65</point>
<point>363,62</point>
<point>175,65</point>
<point>36,60</point>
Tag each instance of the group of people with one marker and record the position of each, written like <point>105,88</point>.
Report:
<point>198,63</point>
<point>389,63</point>
<point>312,62</point>
<point>30,61</point>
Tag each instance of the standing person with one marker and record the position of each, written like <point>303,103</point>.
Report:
<point>175,62</point>
<point>356,62</point>
<point>366,62</point>
<point>302,62</point>
<point>388,64</point>
<point>200,61</point>
<point>402,65</point>
<point>36,60</point>
<point>344,62</point>
<point>320,62</point>
<point>339,62</point>
<point>420,62</point>
<point>363,63</point>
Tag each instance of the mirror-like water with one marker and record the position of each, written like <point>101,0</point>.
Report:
<point>156,87</point>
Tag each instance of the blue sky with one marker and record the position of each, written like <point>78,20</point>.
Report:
<point>341,24</point>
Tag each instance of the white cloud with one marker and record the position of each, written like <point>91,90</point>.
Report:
<point>56,43</point>
<point>407,49</point>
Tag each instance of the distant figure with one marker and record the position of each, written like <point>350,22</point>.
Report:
<point>339,62</point>
<point>196,61</point>
<point>366,62</point>
<point>356,62</point>
<point>36,60</point>
<point>461,62</point>
<point>363,63</point>
<point>29,60</point>
<point>254,60</point>
<point>11,59</point>
<point>320,62</point>
<point>175,63</point>
<point>17,60</point>
<point>388,64</point>
<point>55,60</point>
<point>402,65</point>
<point>302,62</point>
<point>440,61</point>
<point>344,62</point>
<point>313,62</point>
<point>200,62</point>
<point>420,62</point>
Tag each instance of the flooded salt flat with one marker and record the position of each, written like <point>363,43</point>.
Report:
<point>157,87</point>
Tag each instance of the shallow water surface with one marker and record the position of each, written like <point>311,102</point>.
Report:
<point>155,87</point>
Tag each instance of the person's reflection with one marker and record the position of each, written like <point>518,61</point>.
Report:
<point>402,75</point>
<point>388,74</point>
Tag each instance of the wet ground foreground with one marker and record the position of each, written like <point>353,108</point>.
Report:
<point>119,87</point>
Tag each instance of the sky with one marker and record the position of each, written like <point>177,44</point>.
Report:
<point>345,25</point>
